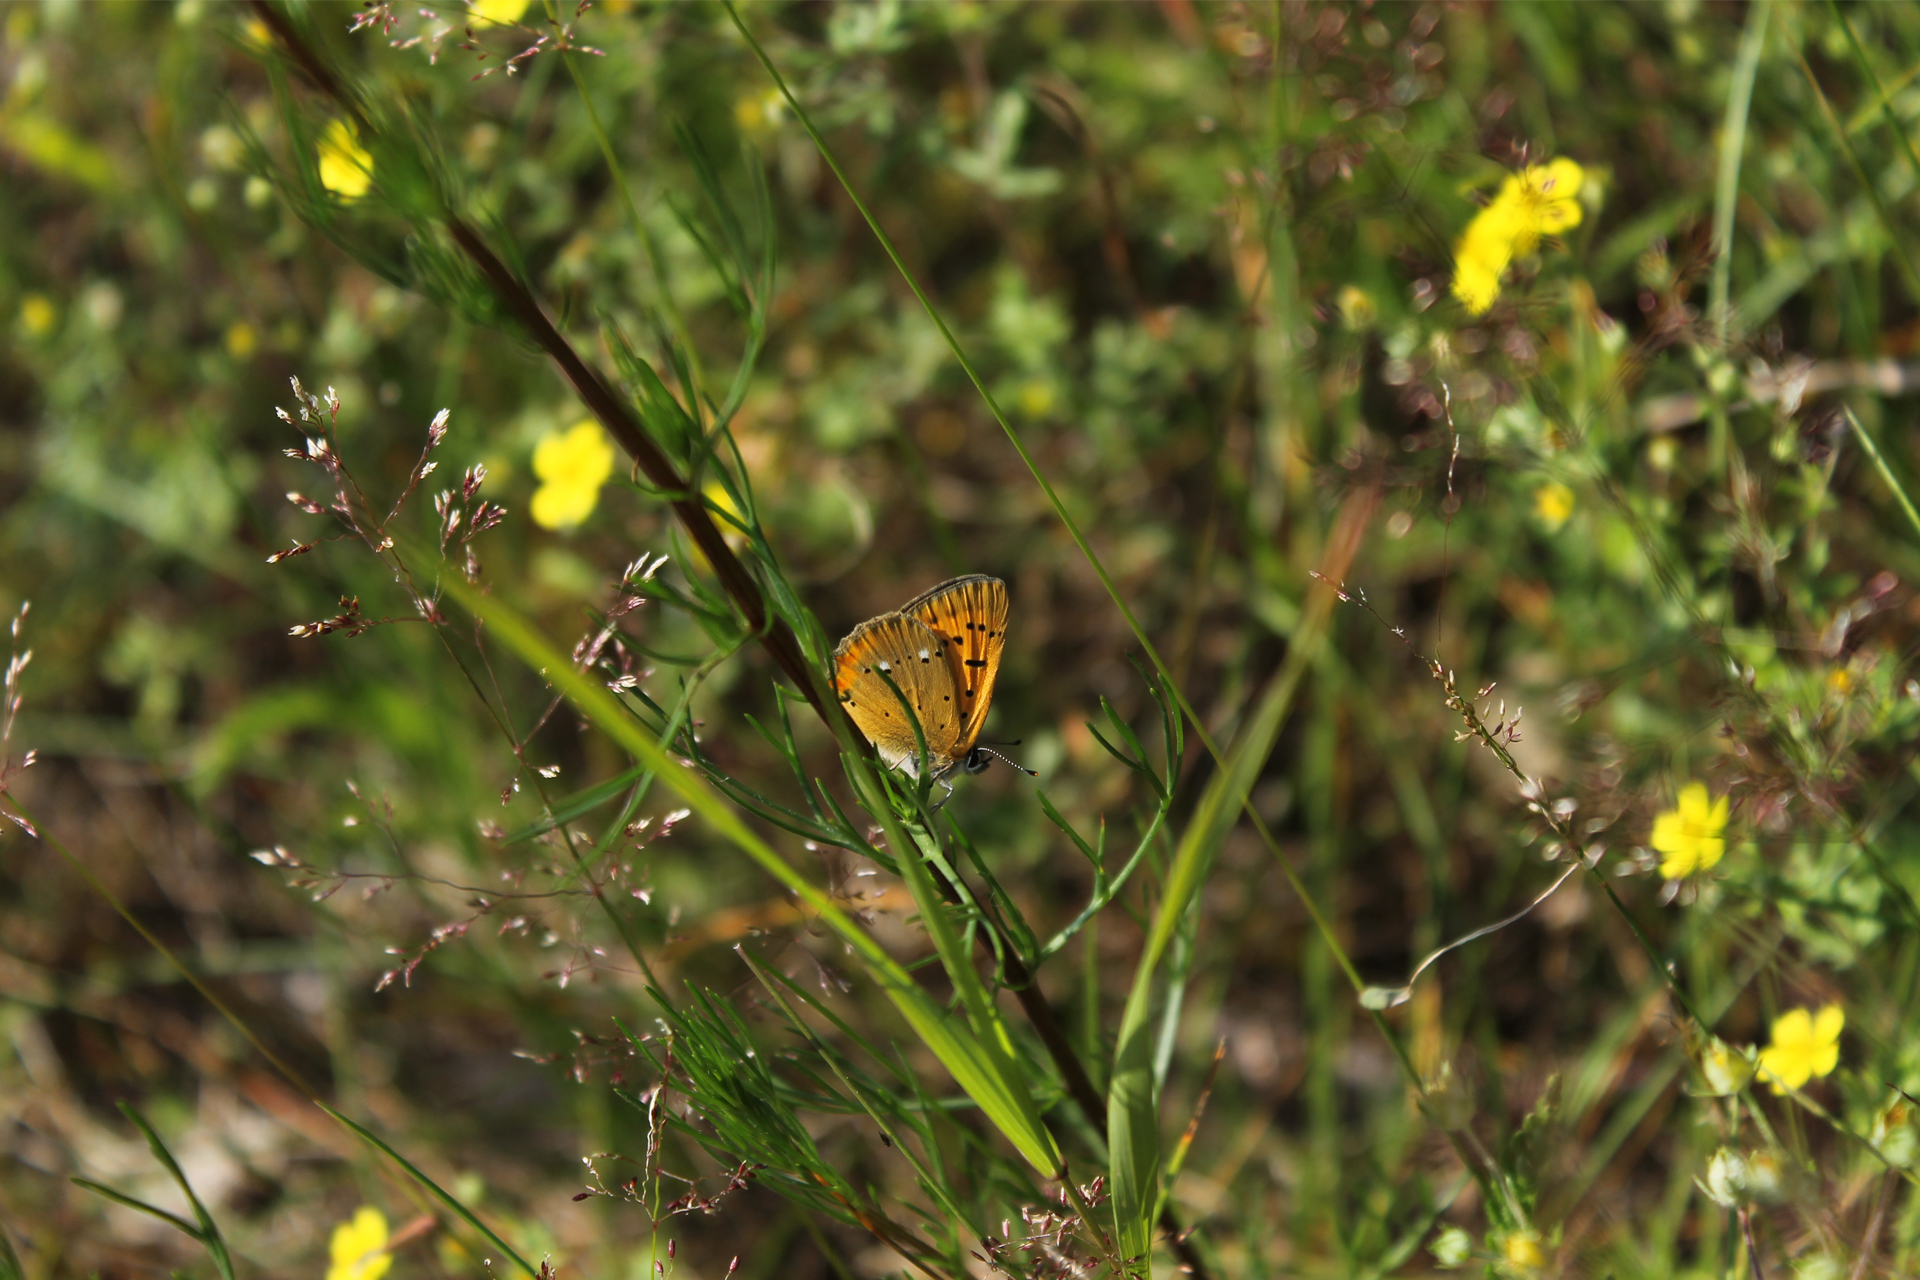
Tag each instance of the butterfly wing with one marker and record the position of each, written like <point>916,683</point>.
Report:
<point>969,616</point>
<point>904,648</point>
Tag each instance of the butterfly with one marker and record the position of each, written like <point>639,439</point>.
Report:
<point>942,650</point>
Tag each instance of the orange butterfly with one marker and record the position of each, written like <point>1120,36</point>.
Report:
<point>942,650</point>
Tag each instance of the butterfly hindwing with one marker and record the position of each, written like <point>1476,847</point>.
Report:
<point>904,648</point>
<point>969,616</point>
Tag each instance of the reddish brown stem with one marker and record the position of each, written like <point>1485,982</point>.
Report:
<point>600,398</point>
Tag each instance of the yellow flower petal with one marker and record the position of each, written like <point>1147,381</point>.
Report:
<point>37,315</point>
<point>358,1249</point>
<point>1553,503</point>
<point>499,12</point>
<point>1803,1047</point>
<point>1690,832</point>
<point>572,465</point>
<point>1539,200</point>
<point>346,168</point>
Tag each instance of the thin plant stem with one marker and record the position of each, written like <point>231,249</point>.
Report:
<point>1908,271</point>
<point>1898,490</point>
<point>640,229</point>
<point>240,1024</point>
<point>610,409</point>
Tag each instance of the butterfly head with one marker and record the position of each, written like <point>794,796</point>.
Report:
<point>977,762</point>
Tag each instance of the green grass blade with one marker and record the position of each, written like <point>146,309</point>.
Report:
<point>1733,138</point>
<point>1899,490</point>
<point>208,1233</point>
<point>1132,1103</point>
<point>460,1210</point>
<point>10,1268</point>
<point>141,1206</point>
<point>1871,189</point>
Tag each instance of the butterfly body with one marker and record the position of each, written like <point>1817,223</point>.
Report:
<point>941,651</point>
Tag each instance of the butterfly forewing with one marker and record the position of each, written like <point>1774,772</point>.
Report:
<point>905,649</point>
<point>969,616</point>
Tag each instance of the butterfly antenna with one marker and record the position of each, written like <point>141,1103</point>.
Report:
<point>1031,773</point>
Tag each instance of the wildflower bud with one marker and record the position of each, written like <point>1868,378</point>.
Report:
<point>1895,1135</point>
<point>1726,1069</point>
<point>1452,1247</point>
<point>1726,1183</point>
<point>1522,1252</point>
<point>1763,1176</point>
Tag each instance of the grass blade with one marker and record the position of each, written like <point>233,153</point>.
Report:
<point>1733,138</point>
<point>460,1210</point>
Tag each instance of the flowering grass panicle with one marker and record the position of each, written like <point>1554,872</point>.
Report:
<point>1805,1046</point>
<point>1538,201</point>
<point>358,1250</point>
<point>1726,1069</point>
<point>1690,833</point>
<point>572,465</point>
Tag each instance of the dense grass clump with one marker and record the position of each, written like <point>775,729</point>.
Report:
<point>1450,469</point>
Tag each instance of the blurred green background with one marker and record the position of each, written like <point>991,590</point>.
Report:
<point>1201,254</point>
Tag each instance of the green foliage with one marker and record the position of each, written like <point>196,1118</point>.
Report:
<point>515,846</point>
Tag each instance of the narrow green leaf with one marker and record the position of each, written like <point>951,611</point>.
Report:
<point>578,805</point>
<point>101,1189</point>
<point>1132,1104</point>
<point>465,1214</point>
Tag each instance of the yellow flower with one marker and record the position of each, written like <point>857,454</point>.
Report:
<point>1356,307</point>
<point>1805,1046</point>
<point>241,340</point>
<point>37,315</point>
<point>572,465</point>
<point>345,167</point>
<point>1522,1253</point>
<point>1689,833</point>
<point>1539,200</point>
<point>499,12</point>
<point>725,512</point>
<point>1553,503</point>
<point>1035,398</point>
<point>359,1247</point>
<point>759,114</point>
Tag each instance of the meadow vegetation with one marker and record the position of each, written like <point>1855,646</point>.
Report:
<point>1451,465</point>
